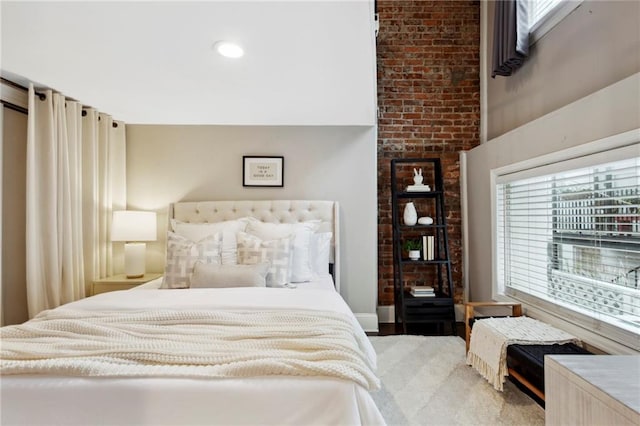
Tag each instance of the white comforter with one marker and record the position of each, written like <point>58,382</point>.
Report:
<point>29,399</point>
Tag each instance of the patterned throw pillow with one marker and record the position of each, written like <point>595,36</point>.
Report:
<point>278,253</point>
<point>183,253</point>
<point>228,228</point>
<point>301,266</point>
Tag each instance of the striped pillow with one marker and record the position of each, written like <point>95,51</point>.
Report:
<point>278,253</point>
<point>182,254</point>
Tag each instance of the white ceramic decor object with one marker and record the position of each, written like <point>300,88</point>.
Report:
<point>417,176</point>
<point>425,220</point>
<point>410,215</point>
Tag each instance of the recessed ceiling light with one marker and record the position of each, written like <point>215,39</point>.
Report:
<point>228,49</point>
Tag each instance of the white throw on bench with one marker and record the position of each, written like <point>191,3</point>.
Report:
<point>491,336</point>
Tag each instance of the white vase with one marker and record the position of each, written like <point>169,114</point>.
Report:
<point>410,215</point>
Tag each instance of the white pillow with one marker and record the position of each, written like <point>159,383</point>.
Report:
<point>228,228</point>
<point>183,253</point>
<point>301,270</point>
<point>320,252</point>
<point>278,253</point>
<point>218,276</point>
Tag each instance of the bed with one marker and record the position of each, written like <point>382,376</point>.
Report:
<point>260,380</point>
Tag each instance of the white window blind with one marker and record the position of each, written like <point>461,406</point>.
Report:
<point>569,236</point>
<point>539,9</point>
<point>543,15</point>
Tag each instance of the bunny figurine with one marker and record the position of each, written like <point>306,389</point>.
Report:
<point>417,176</point>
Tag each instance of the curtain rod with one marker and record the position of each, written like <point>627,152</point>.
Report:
<point>14,107</point>
<point>41,96</point>
<point>84,114</point>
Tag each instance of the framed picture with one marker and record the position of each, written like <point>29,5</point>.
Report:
<point>262,171</point>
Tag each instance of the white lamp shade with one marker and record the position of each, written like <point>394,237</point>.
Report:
<point>131,225</point>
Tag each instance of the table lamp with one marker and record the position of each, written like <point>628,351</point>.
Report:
<point>133,227</point>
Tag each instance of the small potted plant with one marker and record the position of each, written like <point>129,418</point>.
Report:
<point>413,247</point>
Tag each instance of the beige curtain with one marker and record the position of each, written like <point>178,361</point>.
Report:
<point>104,187</point>
<point>69,198</point>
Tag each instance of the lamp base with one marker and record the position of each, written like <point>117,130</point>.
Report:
<point>135,276</point>
<point>134,259</point>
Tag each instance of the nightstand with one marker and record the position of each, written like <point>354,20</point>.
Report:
<point>120,282</point>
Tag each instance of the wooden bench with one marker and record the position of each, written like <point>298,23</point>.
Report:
<point>525,363</point>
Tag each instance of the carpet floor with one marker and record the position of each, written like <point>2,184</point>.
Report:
<point>425,381</point>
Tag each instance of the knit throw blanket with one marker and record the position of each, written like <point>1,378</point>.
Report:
<point>491,336</point>
<point>215,344</point>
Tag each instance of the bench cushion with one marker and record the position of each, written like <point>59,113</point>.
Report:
<point>528,360</point>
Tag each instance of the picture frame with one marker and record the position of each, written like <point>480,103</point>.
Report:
<point>262,171</point>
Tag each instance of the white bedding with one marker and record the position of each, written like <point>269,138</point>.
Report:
<point>278,400</point>
<point>319,282</point>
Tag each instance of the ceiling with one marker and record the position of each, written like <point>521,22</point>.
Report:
<point>305,63</point>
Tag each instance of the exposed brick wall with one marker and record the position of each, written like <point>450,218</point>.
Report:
<point>428,57</point>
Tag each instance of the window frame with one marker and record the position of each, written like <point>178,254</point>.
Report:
<point>551,19</point>
<point>608,149</point>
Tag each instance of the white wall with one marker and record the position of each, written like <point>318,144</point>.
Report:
<point>167,164</point>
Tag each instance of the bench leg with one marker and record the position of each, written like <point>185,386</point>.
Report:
<point>526,383</point>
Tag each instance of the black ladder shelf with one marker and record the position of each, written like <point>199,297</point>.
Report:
<point>433,268</point>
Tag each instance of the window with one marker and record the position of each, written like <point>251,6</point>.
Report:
<point>545,14</point>
<point>539,9</point>
<point>568,236</point>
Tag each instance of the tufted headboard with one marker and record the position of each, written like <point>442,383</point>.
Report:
<point>270,211</point>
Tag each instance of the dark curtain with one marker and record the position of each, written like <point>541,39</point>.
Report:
<point>510,36</point>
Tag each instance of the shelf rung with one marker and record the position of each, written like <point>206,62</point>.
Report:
<point>422,226</point>
<point>431,194</point>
